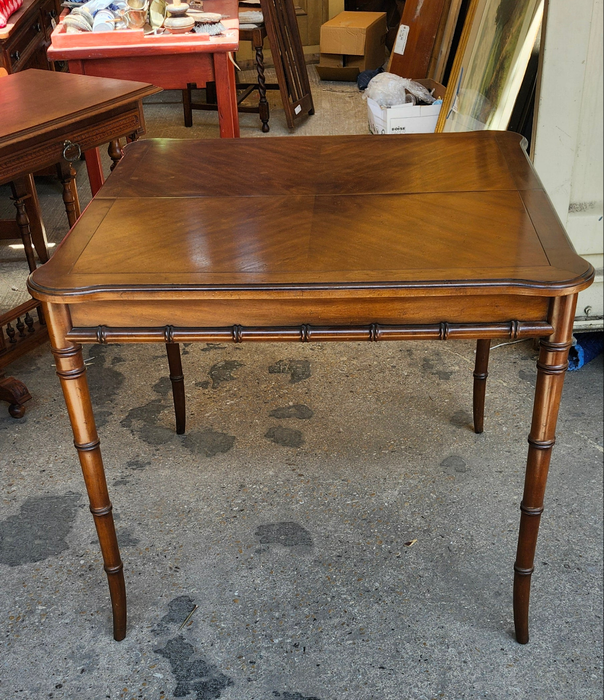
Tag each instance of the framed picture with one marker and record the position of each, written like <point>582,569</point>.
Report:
<point>493,54</point>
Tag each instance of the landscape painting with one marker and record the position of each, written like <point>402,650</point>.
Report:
<point>495,50</point>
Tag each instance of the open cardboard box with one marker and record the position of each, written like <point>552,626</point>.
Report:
<point>407,118</point>
<point>352,42</point>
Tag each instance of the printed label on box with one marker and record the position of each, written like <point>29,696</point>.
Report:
<point>401,39</point>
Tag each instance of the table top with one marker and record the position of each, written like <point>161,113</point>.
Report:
<point>36,101</point>
<point>446,214</point>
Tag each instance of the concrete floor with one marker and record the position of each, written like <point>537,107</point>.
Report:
<point>343,532</point>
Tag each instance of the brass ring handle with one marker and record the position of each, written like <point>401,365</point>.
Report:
<point>71,151</point>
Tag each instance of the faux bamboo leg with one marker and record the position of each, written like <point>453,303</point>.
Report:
<point>551,367</point>
<point>481,366</point>
<point>178,385</point>
<point>72,373</point>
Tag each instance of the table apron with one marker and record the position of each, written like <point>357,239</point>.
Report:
<point>513,330</point>
<point>214,313</point>
<point>168,71</point>
<point>90,133</point>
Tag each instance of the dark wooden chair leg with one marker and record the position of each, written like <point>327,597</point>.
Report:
<point>211,97</point>
<point>263,108</point>
<point>481,366</point>
<point>15,393</point>
<point>32,207</point>
<point>186,105</point>
<point>72,373</point>
<point>178,386</point>
<point>551,368</point>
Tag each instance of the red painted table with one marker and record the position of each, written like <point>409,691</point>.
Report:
<point>171,62</point>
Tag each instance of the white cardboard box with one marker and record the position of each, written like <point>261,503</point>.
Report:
<point>402,119</point>
<point>407,118</point>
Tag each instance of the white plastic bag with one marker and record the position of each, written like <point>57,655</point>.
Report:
<point>389,90</point>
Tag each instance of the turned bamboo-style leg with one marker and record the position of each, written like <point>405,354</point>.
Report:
<point>481,366</point>
<point>72,373</point>
<point>66,175</point>
<point>551,368</point>
<point>178,385</point>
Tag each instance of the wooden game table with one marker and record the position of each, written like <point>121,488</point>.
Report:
<point>431,237</point>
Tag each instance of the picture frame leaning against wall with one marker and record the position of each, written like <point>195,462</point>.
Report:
<point>491,60</point>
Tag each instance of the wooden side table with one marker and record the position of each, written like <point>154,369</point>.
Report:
<point>426,237</point>
<point>46,118</point>
<point>171,62</point>
<point>23,44</point>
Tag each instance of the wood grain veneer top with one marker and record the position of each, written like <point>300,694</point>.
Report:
<point>34,101</point>
<point>424,214</point>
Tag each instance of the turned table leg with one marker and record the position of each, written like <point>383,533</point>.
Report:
<point>115,153</point>
<point>178,386</point>
<point>483,348</point>
<point>66,175</point>
<point>551,368</point>
<point>263,108</point>
<point>15,393</point>
<point>23,224</point>
<point>72,373</point>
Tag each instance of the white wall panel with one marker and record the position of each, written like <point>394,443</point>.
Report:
<point>568,144</point>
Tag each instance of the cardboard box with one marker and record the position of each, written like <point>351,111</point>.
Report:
<point>332,60</point>
<point>407,118</point>
<point>352,42</point>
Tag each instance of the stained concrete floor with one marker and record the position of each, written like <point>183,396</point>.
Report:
<point>342,531</point>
